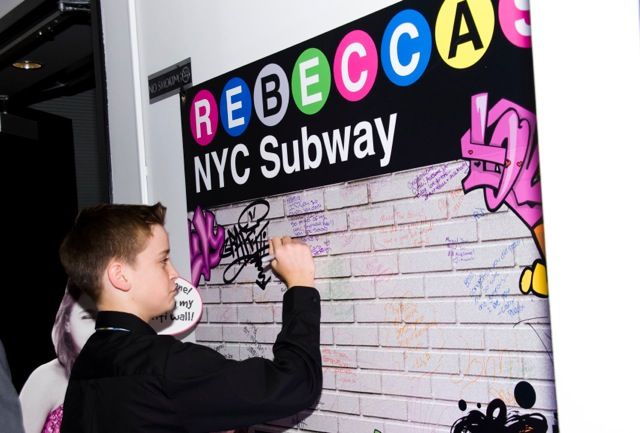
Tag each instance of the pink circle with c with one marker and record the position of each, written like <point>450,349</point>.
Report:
<point>515,21</point>
<point>355,65</point>
<point>203,117</point>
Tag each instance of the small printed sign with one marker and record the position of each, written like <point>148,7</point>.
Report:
<point>170,80</point>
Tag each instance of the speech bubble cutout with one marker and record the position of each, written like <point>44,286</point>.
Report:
<point>186,313</point>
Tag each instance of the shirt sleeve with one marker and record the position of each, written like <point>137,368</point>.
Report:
<point>212,393</point>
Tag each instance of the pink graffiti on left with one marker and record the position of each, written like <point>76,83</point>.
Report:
<point>206,241</point>
<point>505,165</point>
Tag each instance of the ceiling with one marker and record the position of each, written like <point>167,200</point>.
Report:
<point>58,35</point>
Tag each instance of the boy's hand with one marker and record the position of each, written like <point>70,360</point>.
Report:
<point>293,262</point>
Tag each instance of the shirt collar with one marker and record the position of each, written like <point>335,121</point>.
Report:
<point>118,319</point>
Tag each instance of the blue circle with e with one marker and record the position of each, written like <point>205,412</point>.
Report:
<point>406,47</point>
<point>235,106</point>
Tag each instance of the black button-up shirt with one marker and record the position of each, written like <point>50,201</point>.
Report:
<point>129,379</point>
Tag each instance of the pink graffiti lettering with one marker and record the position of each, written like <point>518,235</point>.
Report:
<point>506,166</point>
<point>206,239</point>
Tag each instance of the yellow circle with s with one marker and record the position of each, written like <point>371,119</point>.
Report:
<point>464,29</point>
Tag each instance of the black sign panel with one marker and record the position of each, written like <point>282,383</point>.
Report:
<point>388,92</point>
<point>169,81</point>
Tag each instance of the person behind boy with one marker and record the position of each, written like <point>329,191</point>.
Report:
<point>129,379</point>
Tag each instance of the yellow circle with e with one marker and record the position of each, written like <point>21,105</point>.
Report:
<point>464,29</point>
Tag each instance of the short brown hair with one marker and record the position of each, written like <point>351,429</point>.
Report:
<point>102,233</point>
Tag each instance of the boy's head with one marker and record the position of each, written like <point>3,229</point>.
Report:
<point>103,233</point>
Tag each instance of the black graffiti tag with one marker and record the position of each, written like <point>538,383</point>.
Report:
<point>247,243</point>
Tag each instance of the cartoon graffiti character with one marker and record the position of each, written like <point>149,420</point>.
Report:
<point>497,419</point>
<point>506,165</point>
<point>206,239</point>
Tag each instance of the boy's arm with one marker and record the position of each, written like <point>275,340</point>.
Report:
<point>212,393</point>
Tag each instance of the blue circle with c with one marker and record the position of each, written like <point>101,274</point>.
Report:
<point>406,47</point>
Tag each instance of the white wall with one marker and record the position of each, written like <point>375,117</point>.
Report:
<point>7,5</point>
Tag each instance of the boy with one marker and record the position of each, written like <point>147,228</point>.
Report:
<point>129,379</point>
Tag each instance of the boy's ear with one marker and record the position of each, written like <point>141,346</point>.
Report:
<point>116,272</point>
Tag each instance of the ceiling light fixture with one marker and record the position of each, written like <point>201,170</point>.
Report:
<point>27,64</point>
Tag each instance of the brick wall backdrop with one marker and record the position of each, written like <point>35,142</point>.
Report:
<point>421,303</point>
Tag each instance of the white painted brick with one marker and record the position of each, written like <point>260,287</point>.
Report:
<point>338,357</point>
<point>523,339</point>
<point>445,285</point>
<point>319,245</point>
<point>453,232</point>
<point>399,287</point>
<point>353,289</point>
<point>381,359</point>
<point>504,225</point>
<point>229,351</point>
<point>384,407</point>
<point>545,394</point>
<point>438,178</point>
<point>256,350</point>
<point>527,252</point>
<point>339,402</point>
<point>350,242</point>
<point>432,362</point>
<point>400,427</point>
<point>255,314</point>
<point>249,275</point>
<point>493,281</point>
<point>379,312</point>
<point>379,264</point>
<point>356,335</point>
<point>455,388</point>
<point>337,312</point>
<point>418,210</point>
<point>360,425</point>
<point>476,311</point>
<point>345,196</point>
<point>324,288</point>
<point>290,227</point>
<point>229,216</point>
<point>538,367</point>
<point>398,238</point>
<point>320,422</point>
<point>371,217</point>
<point>490,256</point>
<point>320,223</point>
<point>264,334</point>
<point>210,294</point>
<point>233,294</point>
<point>310,201</point>
<point>276,209</point>
<point>404,335</point>
<point>499,365</point>
<point>425,260</point>
<point>222,313</point>
<point>326,334</point>
<point>351,380</point>
<point>204,317</point>
<point>434,413</point>
<point>216,276</point>
<point>235,333</point>
<point>208,333</point>
<point>410,385</point>
<point>470,204</point>
<point>391,188</point>
<point>332,267</point>
<point>429,312</point>
<point>328,378</point>
<point>277,313</point>
<point>273,293</point>
<point>456,338</point>
<point>535,308</point>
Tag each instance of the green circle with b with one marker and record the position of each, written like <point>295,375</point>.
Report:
<point>311,81</point>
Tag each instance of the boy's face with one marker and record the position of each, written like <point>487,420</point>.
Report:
<point>153,276</point>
